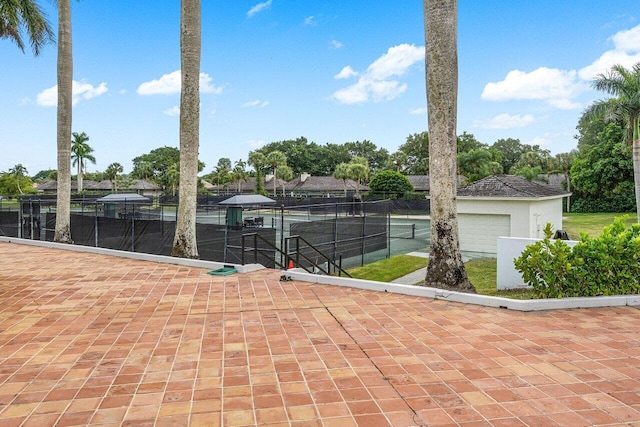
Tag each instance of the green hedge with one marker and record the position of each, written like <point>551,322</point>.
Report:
<point>618,203</point>
<point>606,265</point>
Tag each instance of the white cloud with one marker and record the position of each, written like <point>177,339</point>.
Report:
<point>378,83</point>
<point>564,104</point>
<point>170,84</point>
<point>80,91</point>
<point>345,73</point>
<point>254,144</point>
<point>207,87</point>
<point>628,40</point>
<point>335,44</point>
<point>538,140</point>
<point>173,111</point>
<point>543,83</point>
<point>256,103</point>
<point>626,52</point>
<point>259,8</point>
<point>310,20</point>
<point>505,121</point>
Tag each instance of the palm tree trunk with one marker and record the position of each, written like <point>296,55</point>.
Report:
<point>65,78</point>
<point>80,176</point>
<point>184,242</point>
<point>275,171</point>
<point>636,173</point>
<point>445,269</point>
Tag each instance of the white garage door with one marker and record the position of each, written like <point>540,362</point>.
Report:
<point>479,233</point>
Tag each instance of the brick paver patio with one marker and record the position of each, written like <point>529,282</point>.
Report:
<point>96,340</point>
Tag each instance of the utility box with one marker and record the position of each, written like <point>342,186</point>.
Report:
<point>234,217</point>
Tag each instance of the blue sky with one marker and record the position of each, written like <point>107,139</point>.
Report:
<point>332,71</point>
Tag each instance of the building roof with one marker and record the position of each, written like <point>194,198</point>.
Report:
<point>105,185</point>
<point>421,182</point>
<point>322,183</point>
<point>250,184</point>
<point>52,185</point>
<point>511,186</point>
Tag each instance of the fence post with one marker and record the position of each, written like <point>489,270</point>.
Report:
<point>364,221</point>
<point>96,223</point>
<point>242,250</point>
<point>281,231</point>
<point>31,219</point>
<point>255,247</point>
<point>388,230</point>
<point>335,234</point>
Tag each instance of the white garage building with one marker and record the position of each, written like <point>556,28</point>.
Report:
<point>505,206</point>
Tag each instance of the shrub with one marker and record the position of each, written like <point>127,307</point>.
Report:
<point>389,181</point>
<point>606,265</point>
<point>618,203</point>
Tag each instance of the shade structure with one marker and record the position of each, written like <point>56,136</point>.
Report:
<point>247,200</point>
<point>128,198</point>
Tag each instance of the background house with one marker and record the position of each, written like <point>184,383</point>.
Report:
<point>324,186</point>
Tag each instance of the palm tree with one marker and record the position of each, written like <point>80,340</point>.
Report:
<point>358,171</point>
<point>172,177</point>
<point>285,173</point>
<point>184,241</point>
<point>25,16</point>
<point>62,232</point>
<point>625,84</point>
<point>257,160</point>
<point>239,174</point>
<point>445,268</point>
<point>342,172</point>
<point>275,159</point>
<point>18,172</point>
<point>112,174</point>
<point>80,152</point>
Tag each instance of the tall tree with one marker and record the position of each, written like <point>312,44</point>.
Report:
<point>625,84</point>
<point>18,173</point>
<point>62,232</point>
<point>80,153</point>
<point>358,171</point>
<point>239,174</point>
<point>258,161</point>
<point>445,268</point>
<point>172,178</point>
<point>416,150</point>
<point>25,16</point>
<point>285,174</point>
<point>112,172</point>
<point>184,242</point>
<point>275,159</point>
<point>342,172</point>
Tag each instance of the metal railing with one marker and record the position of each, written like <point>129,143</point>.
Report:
<point>293,253</point>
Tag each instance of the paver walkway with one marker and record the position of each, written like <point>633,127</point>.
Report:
<point>96,340</point>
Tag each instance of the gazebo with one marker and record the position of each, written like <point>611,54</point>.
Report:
<point>236,204</point>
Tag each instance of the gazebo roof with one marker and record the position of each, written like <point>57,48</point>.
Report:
<point>124,198</point>
<point>247,200</point>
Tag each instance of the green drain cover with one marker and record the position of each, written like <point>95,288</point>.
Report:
<point>224,271</point>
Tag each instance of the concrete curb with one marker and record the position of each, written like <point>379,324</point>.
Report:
<point>196,263</point>
<point>483,300</point>
<point>303,276</point>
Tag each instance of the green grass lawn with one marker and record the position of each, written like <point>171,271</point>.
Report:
<point>482,272</point>
<point>389,269</point>
<point>590,223</point>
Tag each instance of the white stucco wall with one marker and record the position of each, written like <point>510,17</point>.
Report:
<point>528,216</point>
<point>510,248</point>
